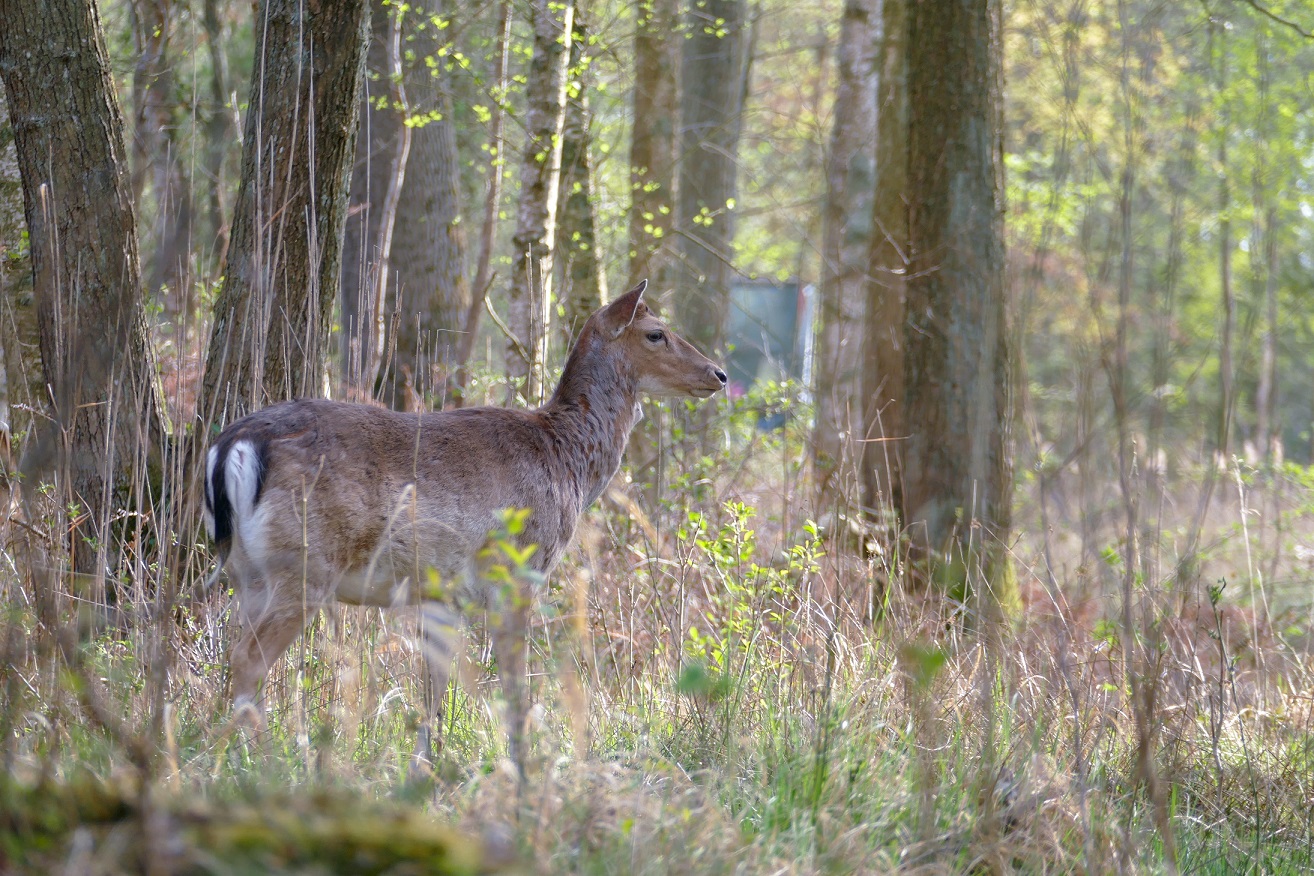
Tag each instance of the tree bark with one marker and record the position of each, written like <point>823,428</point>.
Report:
<point>221,128</point>
<point>382,156</point>
<point>653,142</point>
<point>416,329</point>
<point>882,355</point>
<point>68,132</point>
<point>157,160</point>
<point>530,299</point>
<point>583,283</point>
<point>845,260</point>
<point>712,89</point>
<point>271,326</point>
<point>428,246</point>
<point>25,390</point>
<point>957,471</point>
<point>492,205</point>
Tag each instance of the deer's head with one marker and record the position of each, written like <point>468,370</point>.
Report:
<point>664,363</point>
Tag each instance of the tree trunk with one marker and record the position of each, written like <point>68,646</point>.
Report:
<point>845,260</point>
<point>883,430</point>
<point>157,159</point>
<point>530,299</point>
<point>492,205</point>
<point>712,90</point>
<point>221,127</point>
<point>24,380</point>
<point>412,332</point>
<point>1227,310</point>
<point>652,143</point>
<point>583,284</point>
<point>1267,433</point>
<point>382,156</point>
<point>428,245</point>
<point>270,335</point>
<point>957,476</point>
<point>68,132</point>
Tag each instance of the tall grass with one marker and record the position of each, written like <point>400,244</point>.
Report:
<point>753,694</point>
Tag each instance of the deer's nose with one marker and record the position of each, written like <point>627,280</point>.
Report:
<point>720,375</point>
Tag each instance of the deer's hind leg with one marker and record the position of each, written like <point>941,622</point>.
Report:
<point>269,619</point>
<point>442,635</point>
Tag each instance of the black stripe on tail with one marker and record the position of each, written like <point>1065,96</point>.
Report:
<point>216,496</point>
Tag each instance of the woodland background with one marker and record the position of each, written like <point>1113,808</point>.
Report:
<point>1022,581</point>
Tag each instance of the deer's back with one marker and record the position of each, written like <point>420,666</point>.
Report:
<point>375,496</point>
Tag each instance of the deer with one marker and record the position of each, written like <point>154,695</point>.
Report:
<point>313,502</point>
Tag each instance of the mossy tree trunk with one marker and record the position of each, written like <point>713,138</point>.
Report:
<point>957,469</point>
<point>105,424</point>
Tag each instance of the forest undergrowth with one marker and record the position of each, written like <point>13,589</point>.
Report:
<point>721,685</point>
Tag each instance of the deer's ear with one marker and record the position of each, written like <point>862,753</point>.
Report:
<point>618,315</point>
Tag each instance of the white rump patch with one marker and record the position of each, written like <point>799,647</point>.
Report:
<point>241,477</point>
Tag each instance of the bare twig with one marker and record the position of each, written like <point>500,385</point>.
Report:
<point>1285,22</point>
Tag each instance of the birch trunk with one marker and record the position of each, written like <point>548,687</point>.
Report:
<point>530,299</point>
<point>845,261</point>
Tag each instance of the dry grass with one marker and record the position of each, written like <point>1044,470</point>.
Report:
<point>739,709</point>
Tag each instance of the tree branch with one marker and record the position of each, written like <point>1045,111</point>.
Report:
<point>1309,35</point>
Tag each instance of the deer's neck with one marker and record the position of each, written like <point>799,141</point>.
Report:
<point>592,413</point>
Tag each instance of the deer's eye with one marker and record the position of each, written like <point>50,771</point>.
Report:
<point>656,337</point>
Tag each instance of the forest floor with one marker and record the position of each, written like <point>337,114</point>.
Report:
<point>752,702</point>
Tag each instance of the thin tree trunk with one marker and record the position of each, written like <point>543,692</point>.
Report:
<point>1267,434</point>
<point>270,335</point>
<point>712,86</point>
<point>492,204</point>
<point>654,247</point>
<point>583,284</point>
<point>846,260</point>
<point>883,339</point>
<point>957,477</point>
<point>653,143</point>
<point>1227,327</point>
<point>1266,430</point>
<point>157,159</point>
<point>106,412</point>
<point>377,183</point>
<point>428,246</point>
<point>530,298</point>
<point>221,129</point>
<point>405,217</point>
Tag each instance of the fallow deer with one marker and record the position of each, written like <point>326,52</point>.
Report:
<point>313,501</point>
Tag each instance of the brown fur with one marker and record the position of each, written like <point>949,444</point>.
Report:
<point>357,503</point>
